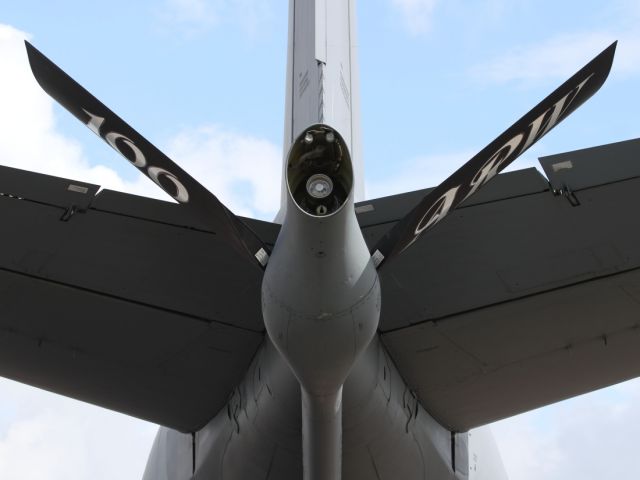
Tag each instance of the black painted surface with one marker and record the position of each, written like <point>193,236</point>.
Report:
<point>501,309</point>
<point>492,159</point>
<point>197,201</point>
<point>593,166</point>
<point>520,302</point>
<point>140,315</point>
<point>46,188</point>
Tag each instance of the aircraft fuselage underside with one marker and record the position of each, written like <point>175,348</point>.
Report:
<point>386,434</point>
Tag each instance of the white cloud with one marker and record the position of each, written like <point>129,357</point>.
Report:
<point>45,436</point>
<point>560,57</point>
<point>561,441</point>
<point>417,173</point>
<point>195,17</point>
<point>417,14</point>
<point>243,171</point>
<point>252,15</point>
<point>191,16</point>
<point>49,437</point>
<point>430,170</point>
<point>29,138</point>
<point>40,432</point>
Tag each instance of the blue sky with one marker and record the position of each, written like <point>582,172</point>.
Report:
<point>205,81</point>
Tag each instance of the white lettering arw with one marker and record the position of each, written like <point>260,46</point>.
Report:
<point>496,161</point>
<point>492,166</point>
<point>436,212</point>
<point>137,158</point>
<point>539,127</point>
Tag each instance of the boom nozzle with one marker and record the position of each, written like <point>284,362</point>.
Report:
<point>319,171</point>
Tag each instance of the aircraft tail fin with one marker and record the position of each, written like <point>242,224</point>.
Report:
<point>322,78</point>
<point>143,155</point>
<point>496,156</point>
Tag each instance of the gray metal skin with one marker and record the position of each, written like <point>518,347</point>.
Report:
<point>322,399</point>
<point>320,300</point>
<point>323,79</point>
<point>386,436</point>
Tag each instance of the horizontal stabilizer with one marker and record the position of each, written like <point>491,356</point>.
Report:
<point>574,171</point>
<point>120,303</point>
<point>496,156</point>
<point>485,323</point>
<point>144,155</point>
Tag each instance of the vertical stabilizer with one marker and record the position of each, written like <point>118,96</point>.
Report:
<point>322,77</point>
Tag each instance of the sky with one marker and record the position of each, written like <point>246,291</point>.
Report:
<point>204,80</point>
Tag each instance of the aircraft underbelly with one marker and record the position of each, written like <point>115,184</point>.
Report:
<point>386,434</point>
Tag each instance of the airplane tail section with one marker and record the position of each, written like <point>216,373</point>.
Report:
<point>322,78</point>
<point>142,154</point>
<point>496,156</point>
